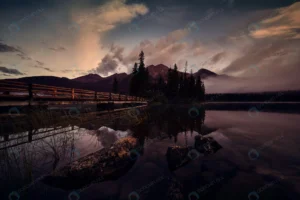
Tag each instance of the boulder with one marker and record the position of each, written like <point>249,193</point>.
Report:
<point>105,164</point>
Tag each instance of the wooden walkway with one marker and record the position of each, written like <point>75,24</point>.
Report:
<point>19,91</point>
<point>22,132</point>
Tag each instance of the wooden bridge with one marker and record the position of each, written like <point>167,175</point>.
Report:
<point>14,91</point>
<point>23,131</point>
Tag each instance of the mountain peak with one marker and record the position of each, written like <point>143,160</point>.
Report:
<point>89,78</point>
<point>204,73</point>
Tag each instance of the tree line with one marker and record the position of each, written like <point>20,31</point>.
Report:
<point>178,85</point>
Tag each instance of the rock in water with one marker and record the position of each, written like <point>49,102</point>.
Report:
<point>175,190</point>
<point>107,163</point>
<point>206,145</point>
<point>177,156</point>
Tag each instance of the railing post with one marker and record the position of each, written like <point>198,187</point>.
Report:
<point>119,97</point>
<point>110,96</point>
<point>54,92</point>
<point>30,94</point>
<point>95,95</point>
<point>126,97</point>
<point>30,91</point>
<point>73,93</point>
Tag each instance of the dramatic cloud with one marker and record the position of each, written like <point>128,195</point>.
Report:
<point>167,49</point>
<point>6,48</point>
<point>286,24</point>
<point>270,55</point>
<point>94,24</point>
<point>57,49</point>
<point>117,52</point>
<point>108,64</point>
<point>45,68</point>
<point>216,58</point>
<point>40,63</point>
<point>24,57</point>
<point>10,71</point>
<point>111,14</point>
<point>270,62</point>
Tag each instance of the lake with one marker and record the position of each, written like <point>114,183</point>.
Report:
<point>252,156</point>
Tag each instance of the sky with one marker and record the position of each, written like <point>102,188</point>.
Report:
<point>254,42</point>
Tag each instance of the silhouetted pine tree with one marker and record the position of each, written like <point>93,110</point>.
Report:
<point>146,80</point>
<point>181,87</point>
<point>133,85</point>
<point>141,64</point>
<point>140,78</point>
<point>161,84</point>
<point>185,85</point>
<point>115,86</point>
<point>202,95</point>
<point>169,82</point>
<point>135,69</point>
<point>175,81</point>
<point>191,90</point>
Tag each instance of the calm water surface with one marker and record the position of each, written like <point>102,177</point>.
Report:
<point>259,159</point>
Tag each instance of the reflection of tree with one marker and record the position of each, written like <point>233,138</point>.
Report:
<point>24,163</point>
<point>167,119</point>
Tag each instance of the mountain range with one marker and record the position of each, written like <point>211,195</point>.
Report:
<point>104,84</point>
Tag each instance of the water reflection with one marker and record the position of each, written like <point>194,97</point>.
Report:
<point>190,158</point>
<point>26,156</point>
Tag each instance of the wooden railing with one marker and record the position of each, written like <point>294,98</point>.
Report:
<point>14,90</point>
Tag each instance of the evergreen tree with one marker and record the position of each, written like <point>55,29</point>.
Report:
<point>169,82</point>
<point>181,86</point>
<point>141,64</point>
<point>135,69</point>
<point>185,84</point>
<point>202,96</point>
<point>133,85</point>
<point>115,86</point>
<point>191,90</point>
<point>146,79</point>
<point>140,78</point>
<point>175,81</point>
<point>161,84</point>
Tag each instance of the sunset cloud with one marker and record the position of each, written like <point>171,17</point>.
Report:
<point>94,26</point>
<point>10,71</point>
<point>285,24</point>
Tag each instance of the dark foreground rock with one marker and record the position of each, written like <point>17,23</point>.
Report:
<point>178,156</point>
<point>206,145</point>
<point>106,164</point>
